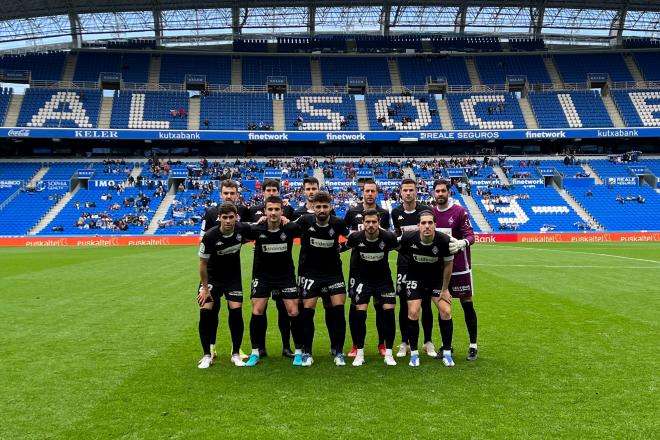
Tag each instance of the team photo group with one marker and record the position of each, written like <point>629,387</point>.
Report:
<point>433,267</point>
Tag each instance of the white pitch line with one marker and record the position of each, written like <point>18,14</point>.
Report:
<point>575,252</point>
<point>567,266</point>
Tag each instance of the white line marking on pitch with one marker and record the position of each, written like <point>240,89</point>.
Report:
<point>575,252</point>
<point>542,266</point>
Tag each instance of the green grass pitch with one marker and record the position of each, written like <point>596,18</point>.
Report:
<point>102,343</point>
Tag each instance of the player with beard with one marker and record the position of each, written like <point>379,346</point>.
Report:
<point>405,217</point>
<point>271,187</point>
<point>354,220</point>
<point>320,275</point>
<point>453,220</point>
<point>220,274</point>
<point>370,276</point>
<point>273,273</point>
<point>428,256</point>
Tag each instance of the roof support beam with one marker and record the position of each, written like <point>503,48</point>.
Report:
<point>76,30</point>
<point>461,17</point>
<point>618,24</point>
<point>158,26</point>
<point>235,21</point>
<point>385,14</point>
<point>536,20</point>
<point>311,20</point>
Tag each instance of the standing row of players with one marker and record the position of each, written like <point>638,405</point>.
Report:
<point>433,267</point>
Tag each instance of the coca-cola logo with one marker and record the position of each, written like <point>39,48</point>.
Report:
<point>19,133</point>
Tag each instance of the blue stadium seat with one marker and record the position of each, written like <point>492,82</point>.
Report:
<point>234,111</point>
<point>320,112</point>
<point>335,70</point>
<point>569,109</point>
<point>44,66</point>
<point>134,67</point>
<point>471,111</point>
<point>25,211</point>
<point>149,110</point>
<point>422,110</point>
<point>415,70</point>
<point>257,69</point>
<point>494,69</point>
<point>60,108</point>
<point>175,67</point>
<point>638,108</point>
<point>5,97</point>
<point>574,68</point>
<point>649,64</point>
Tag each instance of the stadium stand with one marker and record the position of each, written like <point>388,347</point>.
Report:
<point>18,170</point>
<point>335,70</point>
<point>526,44</point>
<point>622,208</point>
<point>415,70</point>
<point>471,111</point>
<point>494,69</point>
<point>574,68</point>
<point>44,66</point>
<point>320,112</point>
<point>257,69</point>
<point>5,96</point>
<point>251,45</point>
<point>388,112</point>
<point>526,208</point>
<point>150,110</point>
<point>606,169</point>
<point>63,170</point>
<point>638,108</point>
<point>569,109</point>
<point>60,108</point>
<point>175,67</point>
<point>25,210</point>
<point>236,111</point>
<point>466,44</point>
<point>649,64</point>
<point>134,67</point>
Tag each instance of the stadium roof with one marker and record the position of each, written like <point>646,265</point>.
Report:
<point>43,21</point>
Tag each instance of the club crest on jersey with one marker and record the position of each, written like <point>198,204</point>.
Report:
<point>283,236</point>
<point>451,220</point>
<point>239,237</point>
<point>435,250</point>
<point>381,245</point>
<point>331,232</point>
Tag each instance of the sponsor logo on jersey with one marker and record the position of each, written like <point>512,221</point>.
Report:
<point>311,229</point>
<point>230,250</point>
<point>202,249</point>
<point>414,246</point>
<point>358,215</point>
<point>409,228</point>
<point>262,236</point>
<point>362,245</point>
<point>400,217</point>
<point>424,259</point>
<point>372,256</point>
<point>339,285</point>
<point>274,248</point>
<point>320,243</point>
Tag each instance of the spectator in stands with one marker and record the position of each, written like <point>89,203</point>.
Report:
<point>589,193</point>
<point>641,199</point>
<point>620,199</point>
<point>206,122</point>
<point>173,113</point>
<point>182,113</point>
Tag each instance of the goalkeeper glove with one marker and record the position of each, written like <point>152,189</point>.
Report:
<point>456,245</point>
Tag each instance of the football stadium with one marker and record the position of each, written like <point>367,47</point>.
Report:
<point>471,188</point>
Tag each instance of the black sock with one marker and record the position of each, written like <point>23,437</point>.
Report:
<point>339,328</point>
<point>378,307</point>
<point>427,319</point>
<point>236,329</point>
<point>258,331</point>
<point>413,333</point>
<point>351,323</point>
<point>262,343</point>
<point>329,322</point>
<point>470,320</point>
<point>204,327</point>
<point>389,327</point>
<point>360,328</point>
<point>298,330</point>
<point>403,318</point>
<point>285,324</point>
<point>308,333</point>
<point>447,332</point>
<point>213,325</point>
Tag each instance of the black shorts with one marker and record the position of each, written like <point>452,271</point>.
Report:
<point>231,290</point>
<point>360,292</point>
<point>413,290</point>
<point>401,277</point>
<point>284,289</point>
<point>314,287</point>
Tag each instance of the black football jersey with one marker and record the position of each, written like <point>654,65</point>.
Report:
<point>224,252</point>
<point>369,259</point>
<point>319,256</point>
<point>211,216</point>
<point>405,221</point>
<point>256,212</point>
<point>354,217</point>
<point>425,261</point>
<point>273,260</point>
